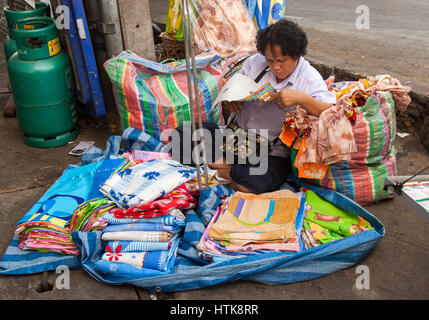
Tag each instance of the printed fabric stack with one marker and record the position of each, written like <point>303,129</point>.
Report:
<point>46,238</point>
<point>65,208</point>
<point>325,222</point>
<point>247,224</point>
<point>143,230</point>
<point>51,236</point>
<point>88,216</point>
<point>144,242</point>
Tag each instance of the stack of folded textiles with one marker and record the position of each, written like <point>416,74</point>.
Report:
<point>144,242</point>
<point>47,226</point>
<point>325,222</point>
<point>47,239</point>
<point>137,184</point>
<point>55,234</point>
<point>144,229</point>
<point>247,224</point>
<point>88,216</point>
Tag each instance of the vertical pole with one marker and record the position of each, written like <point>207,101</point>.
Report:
<point>186,36</point>
<point>194,72</point>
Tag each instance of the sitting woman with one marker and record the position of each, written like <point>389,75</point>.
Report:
<point>279,61</point>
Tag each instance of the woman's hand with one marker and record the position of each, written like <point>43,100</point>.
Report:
<point>233,106</point>
<point>288,97</point>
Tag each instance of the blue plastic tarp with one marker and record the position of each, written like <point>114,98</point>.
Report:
<point>190,271</point>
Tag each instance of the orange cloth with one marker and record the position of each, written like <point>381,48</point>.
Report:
<point>305,170</point>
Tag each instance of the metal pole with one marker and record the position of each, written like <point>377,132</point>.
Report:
<point>194,72</point>
<point>190,64</point>
<point>190,94</point>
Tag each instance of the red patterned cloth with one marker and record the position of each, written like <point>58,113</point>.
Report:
<point>180,198</point>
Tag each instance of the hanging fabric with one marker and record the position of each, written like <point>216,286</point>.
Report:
<point>266,12</point>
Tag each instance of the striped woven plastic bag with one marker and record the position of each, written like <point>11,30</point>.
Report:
<point>362,178</point>
<point>153,97</point>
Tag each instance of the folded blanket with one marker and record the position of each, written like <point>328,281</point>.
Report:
<point>325,222</point>
<point>257,218</point>
<point>139,246</point>
<point>143,156</point>
<point>291,244</point>
<point>145,182</point>
<point>145,226</point>
<point>157,260</point>
<point>175,217</point>
<point>86,216</point>
<point>180,198</point>
<point>157,236</point>
<point>328,216</point>
<point>210,249</point>
<point>44,239</point>
<point>320,234</point>
<point>308,239</point>
<point>139,156</point>
<point>206,247</point>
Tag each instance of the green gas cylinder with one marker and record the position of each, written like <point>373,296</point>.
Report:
<point>42,84</point>
<point>42,9</point>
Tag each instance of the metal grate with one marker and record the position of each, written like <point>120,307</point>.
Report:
<point>17,5</point>
<point>3,24</point>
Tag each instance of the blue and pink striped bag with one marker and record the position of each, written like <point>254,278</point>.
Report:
<point>152,96</point>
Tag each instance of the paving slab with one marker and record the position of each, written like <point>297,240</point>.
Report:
<point>27,174</point>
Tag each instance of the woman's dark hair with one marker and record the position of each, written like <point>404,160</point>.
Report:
<point>286,34</point>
